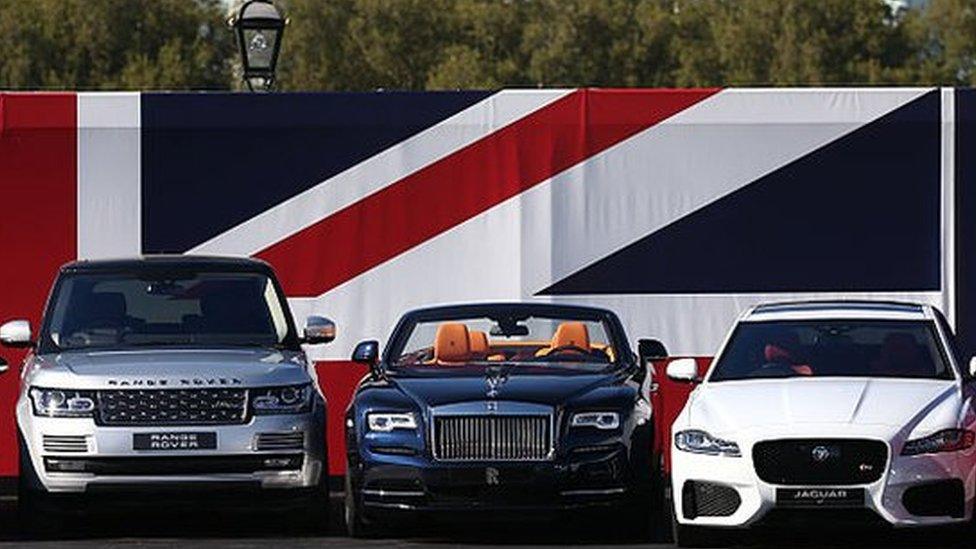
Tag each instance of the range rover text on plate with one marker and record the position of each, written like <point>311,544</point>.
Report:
<point>812,406</point>
<point>498,407</point>
<point>169,373</point>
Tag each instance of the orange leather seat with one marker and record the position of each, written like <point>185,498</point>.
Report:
<point>479,345</point>
<point>568,334</point>
<point>452,345</point>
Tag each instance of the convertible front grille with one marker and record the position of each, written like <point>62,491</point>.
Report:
<point>172,407</point>
<point>493,438</point>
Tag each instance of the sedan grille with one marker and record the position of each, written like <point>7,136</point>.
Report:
<point>820,461</point>
<point>493,438</point>
<point>172,407</point>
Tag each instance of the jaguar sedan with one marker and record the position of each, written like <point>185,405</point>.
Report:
<point>497,407</point>
<point>852,410</point>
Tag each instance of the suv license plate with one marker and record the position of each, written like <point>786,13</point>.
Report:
<point>174,441</point>
<point>820,497</point>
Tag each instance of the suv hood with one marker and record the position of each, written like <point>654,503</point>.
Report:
<point>732,406</point>
<point>169,368</point>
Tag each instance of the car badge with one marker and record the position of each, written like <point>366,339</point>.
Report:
<point>494,383</point>
<point>491,406</point>
<point>820,454</point>
<point>491,476</point>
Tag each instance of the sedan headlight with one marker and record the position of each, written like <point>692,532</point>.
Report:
<point>948,440</point>
<point>386,422</point>
<point>291,399</point>
<point>700,442</point>
<point>601,420</point>
<point>62,402</point>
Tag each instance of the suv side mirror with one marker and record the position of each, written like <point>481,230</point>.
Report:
<point>4,365</point>
<point>684,370</point>
<point>318,329</point>
<point>16,333</point>
<point>368,353</point>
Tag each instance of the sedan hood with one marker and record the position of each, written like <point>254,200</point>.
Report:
<point>170,368</point>
<point>731,406</point>
<point>548,389</point>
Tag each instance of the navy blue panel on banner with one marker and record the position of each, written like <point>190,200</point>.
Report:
<point>861,213</point>
<point>210,162</point>
<point>965,202</point>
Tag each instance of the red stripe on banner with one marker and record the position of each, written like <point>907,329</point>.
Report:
<point>38,227</point>
<point>472,180</point>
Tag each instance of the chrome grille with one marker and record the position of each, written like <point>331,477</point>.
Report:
<point>492,438</point>
<point>65,444</point>
<point>279,441</point>
<point>172,407</point>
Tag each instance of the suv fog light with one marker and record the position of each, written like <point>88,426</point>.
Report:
<point>65,465</point>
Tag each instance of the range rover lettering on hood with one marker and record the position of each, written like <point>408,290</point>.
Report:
<point>181,382</point>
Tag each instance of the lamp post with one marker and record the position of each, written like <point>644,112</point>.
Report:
<point>259,27</point>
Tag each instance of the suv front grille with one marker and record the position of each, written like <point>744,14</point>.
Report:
<point>493,438</point>
<point>820,461</point>
<point>172,407</point>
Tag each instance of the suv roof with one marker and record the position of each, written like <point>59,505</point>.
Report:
<point>195,262</point>
<point>802,310</point>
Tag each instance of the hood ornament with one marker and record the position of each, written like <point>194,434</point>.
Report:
<point>494,382</point>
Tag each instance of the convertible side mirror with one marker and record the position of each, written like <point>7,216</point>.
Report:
<point>318,329</point>
<point>368,353</point>
<point>16,334</point>
<point>651,349</point>
<point>684,370</point>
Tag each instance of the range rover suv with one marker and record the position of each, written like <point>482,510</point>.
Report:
<point>169,374</point>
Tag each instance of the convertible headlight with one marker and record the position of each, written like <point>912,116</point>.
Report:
<point>600,420</point>
<point>700,442</point>
<point>948,440</point>
<point>386,422</point>
<point>62,402</point>
<point>291,399</point>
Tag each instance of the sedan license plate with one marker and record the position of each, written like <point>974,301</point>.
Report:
<point>820,497</point>
<point>174,441</point>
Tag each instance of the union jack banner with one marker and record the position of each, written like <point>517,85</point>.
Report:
<point>674,208</point>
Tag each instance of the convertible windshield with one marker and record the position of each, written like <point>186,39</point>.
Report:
<point>122,310</point>
<point>842,348</point>
<point>523,339</point>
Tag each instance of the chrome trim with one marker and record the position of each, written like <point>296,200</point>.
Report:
<point>488,409</point>
<point>393,494</point>
<point>595,492</point>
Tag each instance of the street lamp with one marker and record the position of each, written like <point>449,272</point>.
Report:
<point>259,26</point>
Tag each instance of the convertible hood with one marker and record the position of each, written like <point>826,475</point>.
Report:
<point>170,368</point>
<point>551,389</point>
<point>736,405</point>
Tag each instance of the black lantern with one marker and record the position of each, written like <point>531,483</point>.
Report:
<point>259,26</point>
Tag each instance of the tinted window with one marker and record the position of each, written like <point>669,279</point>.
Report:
<point>111,310</point>
<point>846,348</point>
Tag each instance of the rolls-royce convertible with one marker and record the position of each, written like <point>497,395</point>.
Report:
<point>498,407</point>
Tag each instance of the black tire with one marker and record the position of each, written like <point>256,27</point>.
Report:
<point>356,524</point>
<point>314,517</point>
<point>684,535</point>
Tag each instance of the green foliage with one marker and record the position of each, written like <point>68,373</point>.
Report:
<point>451,44</point>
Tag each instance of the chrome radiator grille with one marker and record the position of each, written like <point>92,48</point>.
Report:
<point>492,438</point>
<point>172,407</point>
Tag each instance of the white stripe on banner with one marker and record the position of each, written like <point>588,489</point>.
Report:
<point>380,171</point>
<point>948,177</point>
<point>109,176</point>
<point>585,213</point>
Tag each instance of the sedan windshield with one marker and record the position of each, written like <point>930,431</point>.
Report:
<point>578,343</point>
<point>836,348</point>
<point>126,310</point>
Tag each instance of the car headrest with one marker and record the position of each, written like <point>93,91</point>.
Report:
<point>452,343</point>
<point>479,344</point>
<point>571,334</point>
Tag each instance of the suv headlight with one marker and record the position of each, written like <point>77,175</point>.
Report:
<point>386,422</point>
<point>62,402</point>
<point>700,442</point>
<point>601,420</point>
<point>291,399</point>
<point>948,440</point>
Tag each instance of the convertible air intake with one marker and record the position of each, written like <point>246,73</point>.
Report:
<point>492,438</point>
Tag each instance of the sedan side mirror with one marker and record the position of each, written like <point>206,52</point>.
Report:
<point>972,366</point>
<point>684,370</point>
<point>16,333</point>
<point>4,365</point>
<point>318,329</point>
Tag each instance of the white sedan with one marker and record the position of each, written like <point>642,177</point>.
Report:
<point>815,406</point>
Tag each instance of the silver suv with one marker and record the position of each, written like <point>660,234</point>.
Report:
<point>169,374</point>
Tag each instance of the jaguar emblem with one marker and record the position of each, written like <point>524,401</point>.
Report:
<point>820,454</point>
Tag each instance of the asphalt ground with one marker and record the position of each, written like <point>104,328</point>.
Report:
<point>209,526</point>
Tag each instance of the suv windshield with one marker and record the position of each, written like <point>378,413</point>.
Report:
<point>100,310</point>
<point>565,342</point>
<point>835,348</point>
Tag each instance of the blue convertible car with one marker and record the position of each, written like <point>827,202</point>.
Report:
<point>498,407</point>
